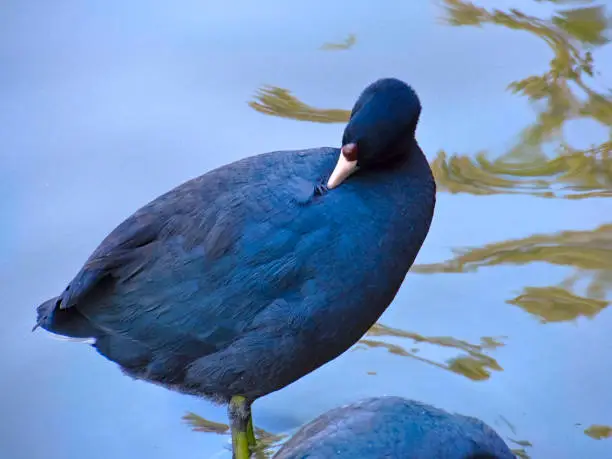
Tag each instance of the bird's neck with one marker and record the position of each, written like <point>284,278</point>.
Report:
<point>404,145</point>
<point>402,150</point>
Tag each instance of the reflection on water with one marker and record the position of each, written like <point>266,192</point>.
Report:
<point>521,452</point>
<point>476,365</point>
<point>563,93</point>
<point>556,304</point>
<point>199,424</point>
<point>348,43</point>
<point>267,443</point>
<point>572,174</point>
<point>275,101</point>
<point>588,252</point>
<point>543,162</point>
<point>599,432</point>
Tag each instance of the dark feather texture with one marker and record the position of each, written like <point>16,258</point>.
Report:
<point>393,427</point>
<point>248,277</point>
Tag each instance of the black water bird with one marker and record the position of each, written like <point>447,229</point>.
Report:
<point>394,428</point>
<point>243,280</point>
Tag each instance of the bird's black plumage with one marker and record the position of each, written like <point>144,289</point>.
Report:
<point>393,427</point>
<point>250,276</point>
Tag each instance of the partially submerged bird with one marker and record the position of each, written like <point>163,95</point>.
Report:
<point>394,428</point>
<point>243,280</point>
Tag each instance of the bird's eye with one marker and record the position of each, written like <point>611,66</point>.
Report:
<point>349,151</point>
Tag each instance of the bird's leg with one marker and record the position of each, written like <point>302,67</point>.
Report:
<point>251,430</point>
<point>241,423</point>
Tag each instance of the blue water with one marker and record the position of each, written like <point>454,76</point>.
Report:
<point>105,105</point>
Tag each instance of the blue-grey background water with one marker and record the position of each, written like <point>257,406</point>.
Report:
<point>105,105</point>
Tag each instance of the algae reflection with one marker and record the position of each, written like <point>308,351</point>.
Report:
<point>474,364</point>
<point>521,451</point>
<point>563,93</point>
<point>267,442</point>
<point>598,432</point>
<point>270,443</point>
<point>348,43</point>
<point>589,253</point>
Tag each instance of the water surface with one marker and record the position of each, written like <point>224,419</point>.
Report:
<point>105,105</point>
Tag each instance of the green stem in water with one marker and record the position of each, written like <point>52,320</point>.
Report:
<point>242,427</point>
<point>251,431</point>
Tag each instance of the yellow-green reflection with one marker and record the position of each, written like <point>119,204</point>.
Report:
<point>563,93</point>
<point>599,432</point>
<point>266,441</point>
<point>572,174</point>
<point>269,443</point>
<point>588,252</point>
<point>475,365</point>
<point>555,304</point>
<point>521,453</point>
<point>276,101</point>
<point>200,424</point>
<point>523,443</point>
<point>348,43</point>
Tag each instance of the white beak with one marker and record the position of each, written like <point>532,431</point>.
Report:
<point>344,168</point>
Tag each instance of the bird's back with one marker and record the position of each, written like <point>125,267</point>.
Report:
<point>214,285</point>
<point>393,427</point>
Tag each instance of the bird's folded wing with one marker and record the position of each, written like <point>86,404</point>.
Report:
<point>122,254</point>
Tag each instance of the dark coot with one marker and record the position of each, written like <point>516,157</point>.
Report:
<point>243,280</point>
<point>394,428</point>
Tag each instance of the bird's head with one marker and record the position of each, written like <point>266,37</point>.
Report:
<point>385,115</point>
